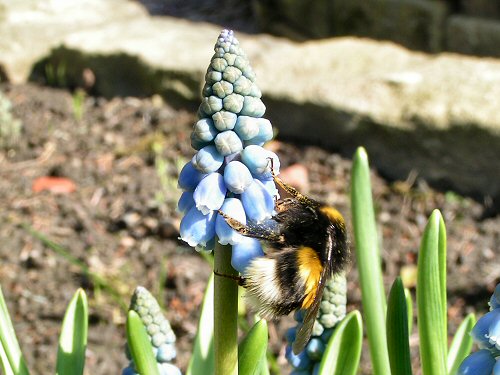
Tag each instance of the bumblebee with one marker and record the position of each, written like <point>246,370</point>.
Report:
<point>306,247</point>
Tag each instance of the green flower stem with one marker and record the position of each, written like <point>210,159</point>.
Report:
<point>369,263</point>
<point>225,313</point>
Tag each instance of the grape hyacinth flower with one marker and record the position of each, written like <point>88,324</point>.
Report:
<point>486,334</point>
<point>230,170</point>
<point>332,311</point>
<point>159,331</point>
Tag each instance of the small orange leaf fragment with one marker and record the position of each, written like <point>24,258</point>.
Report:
<point>56,185</point>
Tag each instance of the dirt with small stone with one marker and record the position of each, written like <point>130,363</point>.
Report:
<point>112,225</point>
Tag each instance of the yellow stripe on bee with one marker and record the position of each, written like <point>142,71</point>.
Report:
<point>310,269</point>
<point>333,215</point>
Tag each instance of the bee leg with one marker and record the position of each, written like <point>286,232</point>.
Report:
<point>291,190</point>
<point>240,280</point>
<point>235,224</point>
<point>256,232</point>
<point>284,204</point>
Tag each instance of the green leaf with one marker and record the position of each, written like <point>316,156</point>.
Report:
<point>369,262</point>
<point>409,309</point>
<point>209,257</point>
<point>9,343</point>
<point>73,338</point>
<point>140,346</point>
<point>397,330</point>
<point>431,297</point>
<point>461,344</point>
<point>202,359</point>
<point>264,366</point>
<point>252,350</point>
<point>4,361</point>
<point>343,350</point>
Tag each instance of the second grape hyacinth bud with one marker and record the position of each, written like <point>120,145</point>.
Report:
<point>230,171</point>
<point>159,331</point>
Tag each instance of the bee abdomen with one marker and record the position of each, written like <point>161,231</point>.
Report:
<point>272,287</point>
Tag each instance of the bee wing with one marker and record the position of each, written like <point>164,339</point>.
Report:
<point>305,330</point>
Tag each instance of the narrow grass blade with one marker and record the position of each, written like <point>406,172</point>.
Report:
<point>202,359</point>
<point>461,345</point>
<point>162,281</point>
<point>409,309</point>
<point>397,330</point>
<point>431,297</point>
<point>343,351</point>
<point>140,346</point>
<point>369,262</point>
<point>95,277</point>
<point>9,341</point>
<point>225,313</point>
<point>252,350</point>
<point>73,338</point>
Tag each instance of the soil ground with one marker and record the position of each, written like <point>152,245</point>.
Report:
<point>124,155</point>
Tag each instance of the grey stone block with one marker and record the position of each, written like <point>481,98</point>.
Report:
<point>296,19</point>
<point>475,36</point>
<point>481,8</point>
<point>437,114</point>
<point>415,24</point>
